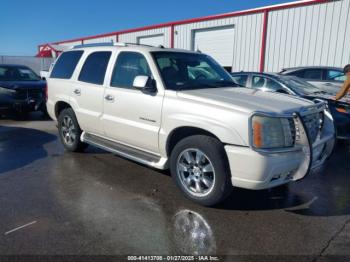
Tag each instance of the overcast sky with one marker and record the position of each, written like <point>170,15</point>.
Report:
<point>24,24</point>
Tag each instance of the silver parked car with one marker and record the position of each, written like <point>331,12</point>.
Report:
<point>328,79</point>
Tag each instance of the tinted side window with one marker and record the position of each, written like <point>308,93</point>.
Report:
<point>299,73</point>
<point>240,79</point>
<point>94,68</point>
<point>127,67</point>
<point>263,82</point>
<point>314,74</point>
<point>258,82</point>
<point>66,64</point>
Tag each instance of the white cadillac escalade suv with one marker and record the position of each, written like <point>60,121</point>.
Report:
<point>176,109</point>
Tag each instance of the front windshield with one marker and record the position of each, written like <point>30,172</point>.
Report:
<point>17,73</point>
<point>300,86</point>
<point>184,71</point>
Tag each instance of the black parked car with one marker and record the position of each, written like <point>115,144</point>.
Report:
<point>292,85</point>
<point>21,90</point>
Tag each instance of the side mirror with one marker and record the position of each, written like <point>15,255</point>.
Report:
<point>144,83</point>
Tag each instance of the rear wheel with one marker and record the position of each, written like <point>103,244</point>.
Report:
<point>200,168</point>
<point>69,131</point>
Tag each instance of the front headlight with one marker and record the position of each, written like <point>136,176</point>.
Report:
<point>272,132</point>
<point>7,90</point>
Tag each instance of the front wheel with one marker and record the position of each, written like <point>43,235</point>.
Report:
<point>69,131</point>
<point>200,168</point>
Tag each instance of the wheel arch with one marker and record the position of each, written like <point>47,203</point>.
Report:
<point>182,132</point>
<point>60,106</point>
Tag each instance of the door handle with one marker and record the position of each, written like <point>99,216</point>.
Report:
<point>328,84</point>
<point>77,91</point>
<point>109,98</point>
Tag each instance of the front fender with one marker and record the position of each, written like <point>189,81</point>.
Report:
<point>226,133</point>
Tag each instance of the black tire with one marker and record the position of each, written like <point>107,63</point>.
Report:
<point>76,145</point>
<point>215,153</point>
<point>21,115</point>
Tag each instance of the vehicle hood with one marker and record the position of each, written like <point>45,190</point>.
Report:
<point>23,84</point>
<point>247,100</point>
<point>329,98</point>
<point>325,96</point>
<point>331,89</point>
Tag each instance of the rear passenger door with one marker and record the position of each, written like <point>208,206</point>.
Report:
<point>88,90</point>
<point>131,116</point>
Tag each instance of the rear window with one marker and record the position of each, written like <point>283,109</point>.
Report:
<point>94,68</point>
<point>66,64</point>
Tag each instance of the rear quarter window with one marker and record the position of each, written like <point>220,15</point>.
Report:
<point>66,64</point>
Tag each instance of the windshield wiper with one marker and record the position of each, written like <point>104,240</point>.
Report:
<point>197,86</point>
<point>319,93</point>
<point>215,84</point>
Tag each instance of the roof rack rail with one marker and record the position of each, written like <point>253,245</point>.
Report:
<point>112,44</point>
<point>93,44</point>
<point>138,44</point>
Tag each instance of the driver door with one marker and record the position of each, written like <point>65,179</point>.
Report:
<point>130,116</point>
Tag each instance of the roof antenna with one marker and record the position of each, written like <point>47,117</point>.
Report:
<point>161,46</point>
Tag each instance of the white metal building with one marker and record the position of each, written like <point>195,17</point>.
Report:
<point>301,33</point>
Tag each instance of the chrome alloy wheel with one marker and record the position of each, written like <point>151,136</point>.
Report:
<point>196,172</point>
<point>68,130</point>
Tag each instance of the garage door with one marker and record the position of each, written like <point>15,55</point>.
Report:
<point>154,40</point>
<point>217,42</point>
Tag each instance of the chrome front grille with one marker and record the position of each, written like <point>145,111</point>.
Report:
<point>23,94</point>
<point>313,124</point>
<point>35,93</point>
<point>292,128</point>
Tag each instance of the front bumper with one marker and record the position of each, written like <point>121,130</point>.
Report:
<point>21,105</point>
<point>28,105</point>
<point>261,170</point>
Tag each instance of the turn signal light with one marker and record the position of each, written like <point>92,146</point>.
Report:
<point>257,132</point>
<point>341,110</point>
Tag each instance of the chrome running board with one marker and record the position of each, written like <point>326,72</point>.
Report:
<point>131,153</point>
